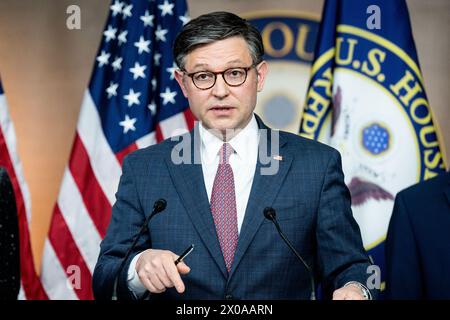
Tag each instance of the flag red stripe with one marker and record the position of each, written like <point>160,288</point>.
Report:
<point>122,153</point>
<point>159,135</point>
<point>69,256</point>
<point>93,196</point>
<point>190,118</point>
<point>31,283</point>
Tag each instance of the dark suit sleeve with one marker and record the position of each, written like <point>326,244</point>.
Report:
<point>9,240</point>
<point>403,276</point>
<point>341,255</point>
<point>126,220</point>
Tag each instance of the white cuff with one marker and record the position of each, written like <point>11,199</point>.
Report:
<point>134,284</point>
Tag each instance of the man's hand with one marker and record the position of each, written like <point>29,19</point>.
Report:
<point>157,271</point>
<point>348,292</point>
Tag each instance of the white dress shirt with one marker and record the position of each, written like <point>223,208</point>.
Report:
<point>243,163</point>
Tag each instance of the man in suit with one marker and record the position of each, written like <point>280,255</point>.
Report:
<point>418,242</point>
<point>218,179</point>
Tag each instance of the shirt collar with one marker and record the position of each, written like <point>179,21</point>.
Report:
<point>242,143</point>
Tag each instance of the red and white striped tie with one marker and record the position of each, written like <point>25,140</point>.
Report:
<point>223,206</point>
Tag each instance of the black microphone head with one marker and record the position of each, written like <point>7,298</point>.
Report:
<point>159,205</point>
<point>270,213</point>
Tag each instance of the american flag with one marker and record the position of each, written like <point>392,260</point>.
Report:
<point>30,285</point>
<point>132,101</point>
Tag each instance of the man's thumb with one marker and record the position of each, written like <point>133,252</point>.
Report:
<point>183,268</point>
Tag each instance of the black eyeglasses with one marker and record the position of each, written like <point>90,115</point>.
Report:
<point>233,77</point>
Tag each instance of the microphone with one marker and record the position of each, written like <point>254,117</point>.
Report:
<point>159,206</point>
<point>270,214</point>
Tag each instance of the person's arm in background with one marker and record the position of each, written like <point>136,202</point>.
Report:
<point>403,276</point>
<point>9,240</point>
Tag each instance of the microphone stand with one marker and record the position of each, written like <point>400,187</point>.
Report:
<point>159,206</point>
<point>270,214</point>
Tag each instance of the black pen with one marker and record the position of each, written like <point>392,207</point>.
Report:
<point>184,254</point>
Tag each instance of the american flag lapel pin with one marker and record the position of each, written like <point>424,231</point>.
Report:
<point>278,157</point>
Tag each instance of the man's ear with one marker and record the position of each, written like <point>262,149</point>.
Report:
<point>261,71</point>
<point>180,79</point>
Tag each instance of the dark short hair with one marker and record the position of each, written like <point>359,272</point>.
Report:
<point>213,27</point>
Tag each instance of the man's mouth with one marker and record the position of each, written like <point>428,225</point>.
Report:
<point>222,110</point>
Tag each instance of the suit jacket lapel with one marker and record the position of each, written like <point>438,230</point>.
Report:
<point>190,185</point>
<point>263,193</point>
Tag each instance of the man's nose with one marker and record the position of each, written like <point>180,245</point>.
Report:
<point>220,88</point>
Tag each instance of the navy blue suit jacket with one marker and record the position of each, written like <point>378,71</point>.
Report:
<point>418,242</point>
<point>308,194</point>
